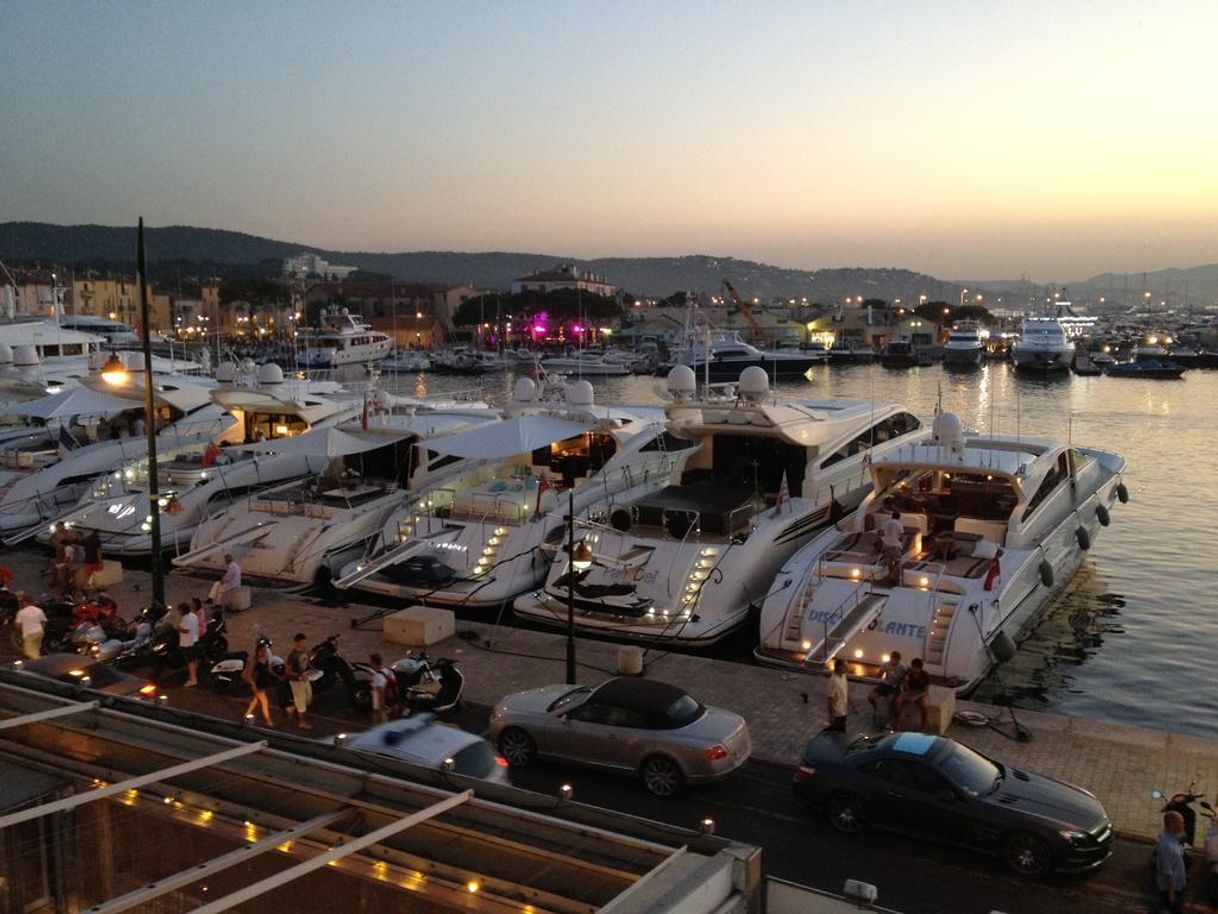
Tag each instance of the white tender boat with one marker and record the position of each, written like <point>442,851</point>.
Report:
<point>590,364</point>
<point>344,339</point>
<point>488,535</point>
<point>1042,346</point>
<point>994,528</point>
<point>686,562</point>
<point>306,530</point>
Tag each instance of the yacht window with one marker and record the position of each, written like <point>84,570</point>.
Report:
<point>1052,479</point>
<point>667,442</point>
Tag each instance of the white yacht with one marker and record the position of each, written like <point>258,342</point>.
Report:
<point>994,528</point>
<point>344,339</point>
<point>722,354</point>
<point>686,562</point>
<point>964,348</point>
<point>407,360</point>
<point>267,405</point>
<point>307,530</point>
<point>1042,346</point>
<point>33,491</point>
<point>590,364</point>
<point>488,535</point>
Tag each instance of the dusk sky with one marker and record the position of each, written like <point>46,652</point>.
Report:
<point>967,139</point>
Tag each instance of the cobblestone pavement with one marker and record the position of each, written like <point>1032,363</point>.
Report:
<point>1120,764</point>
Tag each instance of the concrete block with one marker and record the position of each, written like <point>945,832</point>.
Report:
<point>238,599</point>
<point>108,575</point>
<point>630,661</point>
<point>941,708</point>
<point>419,626</point>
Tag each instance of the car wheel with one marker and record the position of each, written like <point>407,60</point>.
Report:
<point>1027,854</point>
<point>661,776</point>
<point>359,696</point>
<point>517,747</point>
<point>846,813</point>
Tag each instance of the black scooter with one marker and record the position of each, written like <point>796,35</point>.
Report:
<point>420,684</point>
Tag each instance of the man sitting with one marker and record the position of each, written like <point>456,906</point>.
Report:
<point>915,691</point>
<point>230,581</point>
<point>892,677</point>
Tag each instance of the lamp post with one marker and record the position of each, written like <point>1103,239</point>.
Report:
<point>113,373</point>
<point>417,316</point>
<point>578,560</point>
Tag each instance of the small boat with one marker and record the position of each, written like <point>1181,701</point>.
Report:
<point>849,352</point>
<point>1085,367</point>
<point>407,360</point>
<point>901,354</point>
<point>1157,369</point>
<point>588,364</point>
<point>344,339</point>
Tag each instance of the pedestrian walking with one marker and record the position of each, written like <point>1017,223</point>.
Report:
<point>260,677</point>
<point>33,622</point>
<point>94,562</point>
<point>297,670</point>
<point>839,697</point>
<point>384,689</point>
<point>188,642</point>
<point>1170,869</point>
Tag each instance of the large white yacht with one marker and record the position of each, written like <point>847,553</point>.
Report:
<point>1042,346</point>
<point>964,348</point>
<point>267,405</point>
<point>723,355</point>
<point>686,562</point>
<point>994,528</point>
<point>343,339</point>
<point>481,539</point>
<point>307,530</point>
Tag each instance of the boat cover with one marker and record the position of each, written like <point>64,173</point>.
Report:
<point>521,435</point>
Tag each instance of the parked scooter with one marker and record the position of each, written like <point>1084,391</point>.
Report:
<point>421,684</point>
<point>228,669</point>
<point>331,667</point>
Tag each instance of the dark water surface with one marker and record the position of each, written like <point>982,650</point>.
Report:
<point>1127,641</point>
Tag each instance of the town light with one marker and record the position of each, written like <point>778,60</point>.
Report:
<point>114,372</point>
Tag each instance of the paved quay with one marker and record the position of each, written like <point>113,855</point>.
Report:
<point>1121,764</point>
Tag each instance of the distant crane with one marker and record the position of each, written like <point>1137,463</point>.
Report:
<point>759,332</point>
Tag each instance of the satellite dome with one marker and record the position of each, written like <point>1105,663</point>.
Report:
<point>580,393</point>
<point>754,383</point>
<point>270,373</point>
<point>25,356</point>
<point>524,390</point>
<point>682,382</point>
<point>948,432</point>
<point>226,372</point>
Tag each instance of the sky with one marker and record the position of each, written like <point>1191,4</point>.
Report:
<point>975,139</point>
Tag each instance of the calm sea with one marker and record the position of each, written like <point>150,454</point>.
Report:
<point>1127,640</point>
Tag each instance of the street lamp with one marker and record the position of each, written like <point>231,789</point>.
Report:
<point>418,315</point>
<point>114,374</point>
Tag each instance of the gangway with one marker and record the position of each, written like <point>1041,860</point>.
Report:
<point>849,623</point>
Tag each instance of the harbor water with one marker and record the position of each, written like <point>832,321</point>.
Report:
<point>1128,640</point>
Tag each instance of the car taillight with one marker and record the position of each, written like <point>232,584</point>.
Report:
<point>149,689</point>
<point>501,761</point>
<point>804,773</point>
<point>714,753</point>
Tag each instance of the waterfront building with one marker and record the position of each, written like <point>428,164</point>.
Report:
<point>567,276</point>
<point>304,265</point>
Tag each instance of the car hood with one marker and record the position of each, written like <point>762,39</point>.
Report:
<point>1042,796</point>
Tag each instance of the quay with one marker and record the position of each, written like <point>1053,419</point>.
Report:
<point>1121,764</point>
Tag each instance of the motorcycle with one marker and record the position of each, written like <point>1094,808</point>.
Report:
<point>228,669</point>
<point>328,667</point>
<point>420,684</point>
<point>1209,882</point>
<point>1182,803</point>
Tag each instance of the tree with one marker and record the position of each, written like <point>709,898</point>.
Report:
<point>561,304</point>
<point>256,291</point>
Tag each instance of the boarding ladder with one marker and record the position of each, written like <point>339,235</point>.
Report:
<point>852,615</point>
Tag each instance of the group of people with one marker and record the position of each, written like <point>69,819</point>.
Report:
<point>899,688</point>
<point>74,550</point>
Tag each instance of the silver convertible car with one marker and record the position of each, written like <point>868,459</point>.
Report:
<point>638,726</point>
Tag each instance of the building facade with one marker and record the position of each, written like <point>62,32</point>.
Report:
<point>567,276</point>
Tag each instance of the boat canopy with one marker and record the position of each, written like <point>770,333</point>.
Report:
<point>521,435</point>
<point>76,401</point>
<point>332,442</point>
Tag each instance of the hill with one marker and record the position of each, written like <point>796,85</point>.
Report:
<point>234,253</point>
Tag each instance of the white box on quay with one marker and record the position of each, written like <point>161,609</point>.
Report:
<point>419,626</point>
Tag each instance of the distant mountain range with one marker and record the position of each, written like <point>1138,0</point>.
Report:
<point>217,252</point>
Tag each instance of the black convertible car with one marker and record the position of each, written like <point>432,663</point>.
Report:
<point>936,788</point>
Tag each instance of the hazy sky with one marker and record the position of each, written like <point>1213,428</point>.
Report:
<point>967,139</point>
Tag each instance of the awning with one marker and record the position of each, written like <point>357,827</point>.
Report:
<point>521,435</point>
<point>76,401</point>
<point>331,442</point>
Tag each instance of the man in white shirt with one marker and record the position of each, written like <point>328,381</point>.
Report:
<point>188,640</point>
<point>230,581</point>
<point>891,535</point>
<point>839,697</point>
<point>33,622</point>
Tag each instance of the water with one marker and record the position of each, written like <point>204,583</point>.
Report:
<point>1126,642</point>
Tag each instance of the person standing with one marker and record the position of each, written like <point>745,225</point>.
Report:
<point>196,606</point>
<point>93,555</point>
<point>188,642</point>
<point>297,670</point>
<point>1170,869</point>
<point>891,536</point>
<point>33,622</point>
<point>839,697</point>
<point>230,581</point>
<point>260,677</point>
<point>380,689</point>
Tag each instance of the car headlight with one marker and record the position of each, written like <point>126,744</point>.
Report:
<point>1075,837</point>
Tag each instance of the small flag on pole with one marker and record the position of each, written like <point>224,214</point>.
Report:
<point>542,488</point>
<point>363,419</point>
<point>993,576</point>
<point>784,494</point>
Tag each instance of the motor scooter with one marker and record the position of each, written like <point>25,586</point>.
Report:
<point>229,669</point>
<point>421,684</point>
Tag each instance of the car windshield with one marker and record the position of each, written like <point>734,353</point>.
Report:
<point>477,760</point>
<point>684,710</point>
<point>973,773</point>
<point>570,699</point>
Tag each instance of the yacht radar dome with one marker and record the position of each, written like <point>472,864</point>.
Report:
<point>524,390</point>
<point>754,383</point>
<point>226,372</point>
<point>948,432</point>
<point>249,367</point>
<point>270,373</point>
<point>682,382</point>
<point>580,393</point>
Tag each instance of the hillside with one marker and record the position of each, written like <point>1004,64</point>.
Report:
<point>231,253</point>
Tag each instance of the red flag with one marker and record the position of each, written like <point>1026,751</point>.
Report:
<point>995,572</point>
<point>783,494</point>
<point>542,487</point>
<point>363,419</point>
